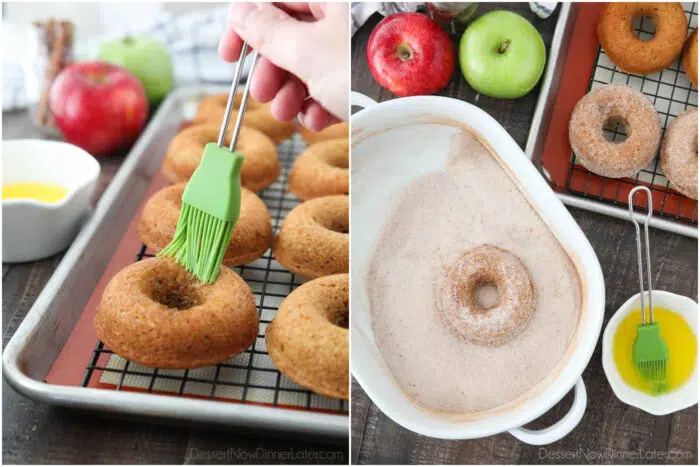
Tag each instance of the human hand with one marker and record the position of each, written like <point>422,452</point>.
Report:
<point>304,67</point>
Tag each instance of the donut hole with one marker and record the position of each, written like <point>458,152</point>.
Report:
<point>340,225</point>
<point>644,26</point>
<point>339,315</point>
<point>335,222</point>
<point>486,295</point>
<point>615,129</point>
<point>173,288</point>
<point>338,160</point>
<point>479,293</point>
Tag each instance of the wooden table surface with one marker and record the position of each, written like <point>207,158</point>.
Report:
<point>37,433</point>
<point>610,432</point>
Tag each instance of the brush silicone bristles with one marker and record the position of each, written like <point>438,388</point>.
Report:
<point>211,205</point>
<point>650,354</point>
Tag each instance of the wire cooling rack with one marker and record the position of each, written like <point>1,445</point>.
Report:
<point>672,93</point>
<point>250,377</point>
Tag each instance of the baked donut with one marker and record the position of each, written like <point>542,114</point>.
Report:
<point>251,238</point>
<point>156,313</point>
<point>212,108</point>
<point>313,240</point>
<point>690,58</point>
<point>339,130</point>
<point>261,167</point>
<point>632,55</point>
<point>322,169</point>
<point>615,102</point>
<point>308,338</point>
<point>459,308</point>
<point>679,153</point>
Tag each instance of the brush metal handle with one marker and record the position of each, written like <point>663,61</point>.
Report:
<point>244,102</point>
<point>637,229</point>
<point>232,94</point>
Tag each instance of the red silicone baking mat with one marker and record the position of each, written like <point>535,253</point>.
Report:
<point>588,67</point>
<point>249,377</point>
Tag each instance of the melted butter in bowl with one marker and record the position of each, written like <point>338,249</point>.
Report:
<point>433,220</point>
<point>678,321</point>
<point>47,189</point>
<point>682,349</point>
<point>45,192</point>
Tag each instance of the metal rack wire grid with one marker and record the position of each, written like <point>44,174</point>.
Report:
<point>250,377</point>
<point>672,93</point>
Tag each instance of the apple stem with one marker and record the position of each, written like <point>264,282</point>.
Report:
<point>128,40</point>
<point>504,46</point>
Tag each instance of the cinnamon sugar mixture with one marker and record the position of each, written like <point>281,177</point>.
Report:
<point>434,220</point>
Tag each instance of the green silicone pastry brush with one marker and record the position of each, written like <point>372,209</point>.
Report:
<point>211,201</point>
<point>649,350</point>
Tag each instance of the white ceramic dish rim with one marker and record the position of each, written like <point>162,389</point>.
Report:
<point>673,401</point>
<point>93,168</point>
<point>568,373</point>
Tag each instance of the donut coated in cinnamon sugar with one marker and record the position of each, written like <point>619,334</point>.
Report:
<point>212,108</point>
<point>261,166</point>
<point>251,237</point>
<point>679,153</point>
<point>633,55</point>
<point>459,308</point>
<point>322,169</point>
<point>308,338</point>
<point>156,313</point>
<point>614,159</point>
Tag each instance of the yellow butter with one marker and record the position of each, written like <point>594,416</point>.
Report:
<point>682,349</point>
<point>46,192</point>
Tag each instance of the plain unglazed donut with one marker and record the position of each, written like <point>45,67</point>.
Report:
<point>261,167</point>
<point>251,237</point>
<point>313,240</point>
<point>308,338</point>
<point>211,109</point>
<point>611,159</point>
<point>322,169</point>
<point>679,153</point>
<point>690,58</point>
<point>459,309</point>
<point>632,55</point>
<point>154,312</point>
<point>339,130</point>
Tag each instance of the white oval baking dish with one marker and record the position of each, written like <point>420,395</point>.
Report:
<point>399,140</point>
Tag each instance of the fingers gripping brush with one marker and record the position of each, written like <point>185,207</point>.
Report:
<point>211,201</point>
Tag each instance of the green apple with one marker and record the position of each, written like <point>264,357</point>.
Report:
<point>502,55</point>
<point>145,58</point>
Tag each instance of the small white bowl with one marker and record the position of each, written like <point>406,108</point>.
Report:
<point>681,398</point>
<point>34,229</point>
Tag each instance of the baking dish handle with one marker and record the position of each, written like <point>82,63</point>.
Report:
<point>360,100</point>
<point>560,429</point>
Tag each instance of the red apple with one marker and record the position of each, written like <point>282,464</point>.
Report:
<point>98,106</point>
<point>410,55</point>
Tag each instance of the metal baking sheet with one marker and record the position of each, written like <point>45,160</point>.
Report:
<point>40,339</point>
<point>561,42</point>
